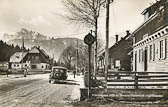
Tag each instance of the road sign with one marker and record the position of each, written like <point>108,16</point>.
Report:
<point>89,39</point>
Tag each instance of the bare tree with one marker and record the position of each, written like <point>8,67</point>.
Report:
<point>68,56</point>
<point>85,12</point>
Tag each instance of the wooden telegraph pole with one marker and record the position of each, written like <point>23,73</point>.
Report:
<point>107,41</point>
<point>77,56</point>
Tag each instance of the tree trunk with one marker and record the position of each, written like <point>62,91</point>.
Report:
<point>96,44</point>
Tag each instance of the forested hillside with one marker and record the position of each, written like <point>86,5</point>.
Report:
<point>7,50</point>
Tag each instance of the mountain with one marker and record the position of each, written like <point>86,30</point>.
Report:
<point>27,34</point>
<point>53,46</point>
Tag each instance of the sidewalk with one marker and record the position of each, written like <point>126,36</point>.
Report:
<point>76,91</point>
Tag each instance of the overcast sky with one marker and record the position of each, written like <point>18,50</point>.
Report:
<point>43,16</point>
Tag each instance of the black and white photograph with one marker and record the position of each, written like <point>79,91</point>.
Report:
<point>83,53</point>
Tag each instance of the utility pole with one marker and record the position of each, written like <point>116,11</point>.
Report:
<point>77,56</point>
<point>22,53</point>
<point>96,48</point>
<point>107,41</point>
<point>95,53</point>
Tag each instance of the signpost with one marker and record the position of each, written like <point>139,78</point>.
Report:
<point>89,40</point>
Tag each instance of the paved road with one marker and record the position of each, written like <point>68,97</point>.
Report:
<point>35,91</point>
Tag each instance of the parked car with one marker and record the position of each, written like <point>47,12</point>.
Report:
<point>58,74</point>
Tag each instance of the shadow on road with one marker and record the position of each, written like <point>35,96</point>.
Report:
<point>67,83</point>
<point>70,83</point>
<point>72,80</point>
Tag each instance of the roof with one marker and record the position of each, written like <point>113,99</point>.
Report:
<point>38,50</point>
<point>125,38</point>
<point>17,57</point>
<point>34,50</point>
<point>153,6</point>
<point>44,52</point>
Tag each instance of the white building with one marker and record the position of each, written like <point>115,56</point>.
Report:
<point>150,40</point>
<point>34,60</point>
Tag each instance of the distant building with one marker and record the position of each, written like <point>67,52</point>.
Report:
<point>16,60</point>
<point>118,54</point>
<point>4,66</point>
<point>150,39</point>
<point>34,60</point>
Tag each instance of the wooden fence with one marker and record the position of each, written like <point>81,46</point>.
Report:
<point>136,80</point>
<point>132,86</point>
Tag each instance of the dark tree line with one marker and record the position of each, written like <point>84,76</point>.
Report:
<point>6,51</point>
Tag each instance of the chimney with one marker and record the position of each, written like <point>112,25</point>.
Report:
<point>116,38</point>
<point>127,31</point>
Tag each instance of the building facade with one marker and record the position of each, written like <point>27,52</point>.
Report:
<point>34,60</point>
<point>150,40</point>
<point>118,54</point>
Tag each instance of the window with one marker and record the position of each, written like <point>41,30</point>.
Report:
<point>154,52</point>
<point>150,54</point>
<point>117,63</point>
<point>41,66</point>
<point>29,57</point>
<point>14,65</point>
<point>17,65</point>
<point>145,36</point>
<point>34,66</point>
<point>143,52</point>
<point>139,55</point>
<point>37,57</point>
<point>134,40</point>
<point>146,16</point>
<point>161,49</point>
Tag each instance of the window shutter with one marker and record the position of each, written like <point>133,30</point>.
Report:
<point>158,53</point>
<point>164,49</point>
<point>148,52</point>
<point>142,55</point>
<point>154,53</point>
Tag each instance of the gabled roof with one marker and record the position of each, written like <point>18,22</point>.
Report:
<point>34,50</point>
<point>17,57</point>
<point>125,38</point>
<point>44,52</point>
<point>153,6</point>
<point>41,52</point>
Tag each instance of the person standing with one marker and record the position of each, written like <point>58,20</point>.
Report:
<point>25,72</point>
<point>74,72</point>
